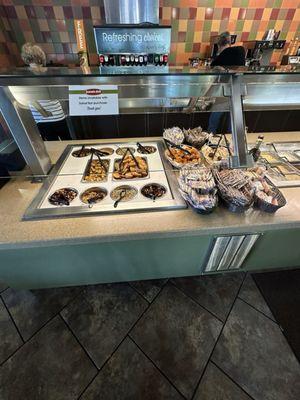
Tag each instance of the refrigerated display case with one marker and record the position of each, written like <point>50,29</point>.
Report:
<point>102,243</point>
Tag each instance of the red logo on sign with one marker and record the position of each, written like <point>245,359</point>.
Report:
<point>93,92</point>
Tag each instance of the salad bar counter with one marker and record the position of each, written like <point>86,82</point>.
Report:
<point>119,246</point>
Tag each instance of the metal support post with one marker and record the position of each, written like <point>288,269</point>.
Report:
<point>25,133</point>
<point>241,157</point>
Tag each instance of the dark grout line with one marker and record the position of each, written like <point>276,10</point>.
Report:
<point>149,302</point>
<point>280,327</point>
<point>13,321</point>
<point>40,328</point>
<point>229,377</point>
<point>260,291</point>
<point>117,347</point>
<point>217,340</point>
<point>262,295</point>
<point>11,355</point>
<point>3,290</point>
<point>77,340</point>
<point>161,372</point>
<point>88,385</point>
<point>53,316</point>
<point>102,366</point>
<point>195,301</point>
<point>259,311</point>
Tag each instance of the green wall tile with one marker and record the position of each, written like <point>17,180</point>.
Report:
<point>239,25</point>
<point>252,35</point>
<point>184,13</point>
<point>271,24</point>
<point>207,25</point>
<point>190,31</point>
<point>36,31</point>
<point>172,58</point>
<point>39,11</point>
<point>55,37</point>
<point>283,35</point>
<point>58,48</point>
<point>171,3</point>
<point>52,25</point>
<point>206,3</point>
<point>189,47</point>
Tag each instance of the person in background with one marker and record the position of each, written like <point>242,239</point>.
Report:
<point>48,114</point>
<point>227,56</point>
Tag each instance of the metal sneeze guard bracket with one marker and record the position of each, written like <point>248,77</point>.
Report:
<point>25,133</point>
<point>235,91</point>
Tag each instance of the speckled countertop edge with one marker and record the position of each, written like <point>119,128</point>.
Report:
<point>16,233</point>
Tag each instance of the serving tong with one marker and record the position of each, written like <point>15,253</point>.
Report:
<point>128,150</point>
<point>142,148</point>
<point>227,145</point>
<point>81,150</point>
<point>97,153</point>
<point>177,146</point>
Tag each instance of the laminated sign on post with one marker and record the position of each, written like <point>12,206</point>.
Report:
<point>93,100</point>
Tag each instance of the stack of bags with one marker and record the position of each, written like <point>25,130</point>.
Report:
<point>198,188</point>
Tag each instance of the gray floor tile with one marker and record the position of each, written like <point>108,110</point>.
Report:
<point>215,292</point>
<point>101,316</point>
<point>3,286</point>
<point>149,289</point>
<point>129,375</point>
<point>31,309</point>
<point>215,385</point>
<point>250,293</point>
<point>9,337</point>
<point>254,353</point>
<point>178,336</point>
<point>50,366</point>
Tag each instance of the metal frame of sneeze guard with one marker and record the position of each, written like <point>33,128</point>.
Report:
<point>142,90</point>
<point>236,90</point>
<point>25,133</point>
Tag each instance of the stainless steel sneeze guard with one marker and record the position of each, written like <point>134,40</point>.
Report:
<point>156,92</point>
<point>40,207</point>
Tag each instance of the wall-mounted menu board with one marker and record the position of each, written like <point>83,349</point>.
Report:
<point>128,39</point>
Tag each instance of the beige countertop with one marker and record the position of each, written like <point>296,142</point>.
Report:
<point>17,194</point>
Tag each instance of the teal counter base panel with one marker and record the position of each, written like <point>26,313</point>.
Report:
<point>102,262</point>
<point>83,264</point>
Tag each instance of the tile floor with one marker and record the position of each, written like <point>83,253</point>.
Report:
<point>200,338</point>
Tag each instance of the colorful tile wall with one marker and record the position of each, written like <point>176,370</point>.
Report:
<point>50,24</point>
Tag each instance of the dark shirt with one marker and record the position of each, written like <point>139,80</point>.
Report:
<point>231,56</point>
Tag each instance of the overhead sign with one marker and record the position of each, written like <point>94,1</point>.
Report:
<point>115,40</point>
<point>93,100</point>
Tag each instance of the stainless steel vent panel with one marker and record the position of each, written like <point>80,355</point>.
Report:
<point>229,252</point>
<point>131,11</point>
